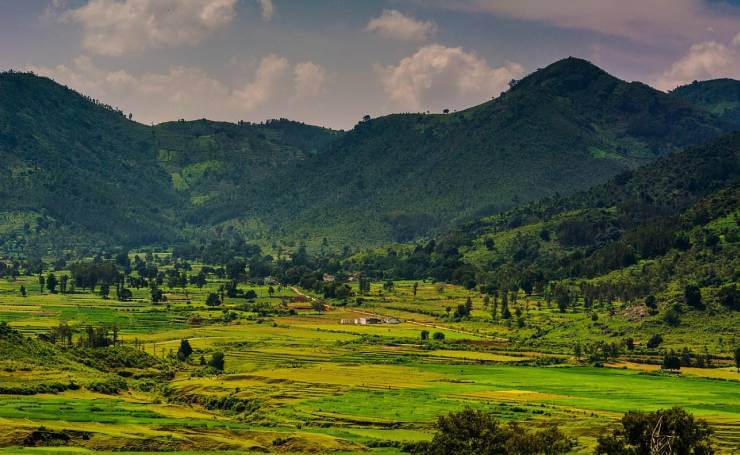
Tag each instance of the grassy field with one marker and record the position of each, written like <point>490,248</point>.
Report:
<point>310,383</point>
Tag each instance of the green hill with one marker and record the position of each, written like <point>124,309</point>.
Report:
<point>719,96</point>
<point>563,128</point>
<point>651,230</point>
<point>69,161</point>
<point>77,173</point>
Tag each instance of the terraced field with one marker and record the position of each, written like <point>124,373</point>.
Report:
<point>299,380</point>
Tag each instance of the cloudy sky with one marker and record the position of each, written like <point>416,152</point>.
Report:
<point>329,62</point>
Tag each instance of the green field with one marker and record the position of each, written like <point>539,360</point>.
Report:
<point>310,383</point>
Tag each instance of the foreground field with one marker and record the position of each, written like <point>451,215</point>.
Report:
<point>300,380</point>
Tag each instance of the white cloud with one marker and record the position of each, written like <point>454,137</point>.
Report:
<point>180,92</point>
<point>393,24</point>
<point>707,60</point>
<point>647,21</point>
<point>736,40</point>
<point>113,27</point>
<point>276,89</point>
<point>268,9</point>
<point>438,77</point>
<point>272,72</point>
<point>309,79</point>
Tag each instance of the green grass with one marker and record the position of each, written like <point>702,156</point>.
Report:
<point>336,384</point>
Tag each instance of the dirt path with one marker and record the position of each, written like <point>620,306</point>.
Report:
<point>410,321</point>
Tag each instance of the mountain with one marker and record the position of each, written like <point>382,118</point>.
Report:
<point>649,230</point>
<point>561,129</point>
<point>209,160</point>
<point>67,161</point>
<point>719,96</point>
<point>76,172</point>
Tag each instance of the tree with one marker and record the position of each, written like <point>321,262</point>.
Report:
<point>577,351</point>
<point>104,290</point>
<point>671,362</point>
<point>439,336</point>
<point>666,432</point>
<point>652,304</point>
<point>728,297</point>
<point>425,336</point>
<point>672,316</point>
<point>489,243</point>
<point>124,295</point>
<point>737,359</point>
<point>23,291</point>
<point>185,350</point>
<point>692,296</point>
<point>654,341</point>
<point>318,305</point>
<point>474,432</point>
<point>415,287</point>
<point>217,361</point>
<point>42,283</point>
<point>51,283</point>
<point>213,300</point>
<point>158,295</point>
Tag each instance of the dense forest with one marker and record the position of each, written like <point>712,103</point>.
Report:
<point>78,173</point>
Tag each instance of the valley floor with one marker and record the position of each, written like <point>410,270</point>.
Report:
<point>303,381</point>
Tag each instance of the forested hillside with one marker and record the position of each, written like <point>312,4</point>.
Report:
<point>76,172</point>
<point>718,96</point>
<point>69,162</point>
<point>650,230</point>
<point>563,128</point>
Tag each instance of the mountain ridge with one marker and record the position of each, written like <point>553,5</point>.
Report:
<point>561,129</point>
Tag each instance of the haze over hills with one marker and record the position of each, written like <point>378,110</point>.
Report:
<point>73,168</point>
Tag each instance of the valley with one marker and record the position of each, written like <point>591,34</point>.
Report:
<point>298,379</point>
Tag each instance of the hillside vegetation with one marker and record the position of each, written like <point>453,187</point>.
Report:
<point>78,173</point>
<point>718,96</point>
<point>563,128</point>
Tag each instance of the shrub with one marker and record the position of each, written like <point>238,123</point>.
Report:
<point>217,361</point>
<point>654,341</point>
<point>108,386</point>
<point>667,432</point>
<point>472,432</point>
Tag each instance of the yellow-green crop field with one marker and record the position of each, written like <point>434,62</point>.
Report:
<point>305,382</point>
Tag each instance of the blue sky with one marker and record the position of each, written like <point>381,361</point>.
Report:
<point>329,62</point>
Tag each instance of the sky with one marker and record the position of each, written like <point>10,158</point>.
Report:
<point>329,62</point>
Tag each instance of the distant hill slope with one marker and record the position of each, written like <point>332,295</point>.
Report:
<point>210,160</point>
<point>67,160</point>
<point>563,128</point>
<point>684,206</point>
<point>75,172</point>
<point>719,96</point>
<point>656,229</point>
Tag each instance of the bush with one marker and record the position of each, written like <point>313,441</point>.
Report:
<point>667,432</point>
<point>217,361</point>
<point>472,432</point>
<point>692,297</point>
<point>671,362</point>
<point>109,386</point>
<point>654,341</point>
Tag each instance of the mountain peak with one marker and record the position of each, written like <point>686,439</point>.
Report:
<point>566,75</point>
